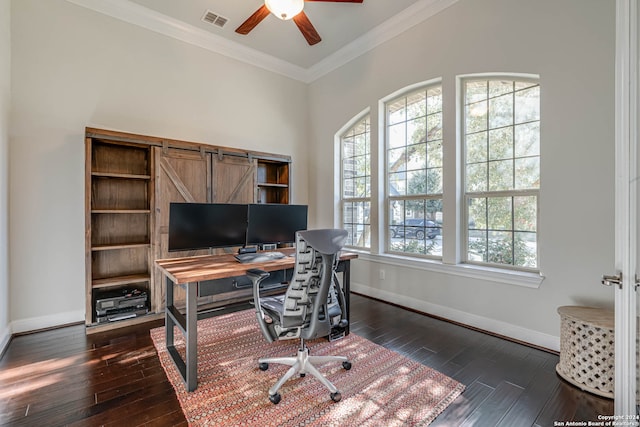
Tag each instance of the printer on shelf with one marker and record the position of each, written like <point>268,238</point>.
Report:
<point>121,304</point>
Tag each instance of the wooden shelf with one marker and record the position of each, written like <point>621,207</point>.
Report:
<point>119,280</point>
<point>120,246</point>
<point>121,211</point>
<point>120,175</point>
<point>108,326</point>
<point>273,185</point>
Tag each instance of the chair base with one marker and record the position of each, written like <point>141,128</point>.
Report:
<point>302,364</point>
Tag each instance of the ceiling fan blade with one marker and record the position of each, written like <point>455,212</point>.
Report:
<point>253,20</point>
<point>306,28</point>
<point>339,1</point>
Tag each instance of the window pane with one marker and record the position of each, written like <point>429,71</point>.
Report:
<point>356,222</point>
<point>527,173</point>
<point>397,135</point>
<point>434,125</point>
<point>501,111</point>
<point>434,100</point>
<point>500,87</point>
<point>397,159</point>
<point>475,91</point>
<point>434,154</point>
<point>360,187</point>
<point>396,112</point>
<point>527,139</point>
<point>434,181</point>
<point>527,106</point>
<point>416,131</point>
<point>477,177</point>
<point>525,213</point>
<point>362,145</point>
<point>499,213</point>
<point>501,175</point>
<point>477,247</point>
<point>501,143</point>
<point>348,188</point>
<point>398,184</point>
<point>417,182</point>
<point>416,156</point>
<point>416,105</point>
<point>477,213</point>
<point>476,117</point>
<point>414,226</point>
<point>525,249</point>
<point>477,147</point>
<point>348,148</point>
<point>500,247</point>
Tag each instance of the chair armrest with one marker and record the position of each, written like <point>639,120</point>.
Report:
<point>257,276</point>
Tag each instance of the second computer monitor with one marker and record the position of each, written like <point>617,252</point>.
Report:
<point>275,223</point>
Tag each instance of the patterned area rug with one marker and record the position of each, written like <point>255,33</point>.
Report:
<point>383,388</point>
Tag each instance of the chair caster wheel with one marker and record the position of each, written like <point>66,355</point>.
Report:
<point>336,397</point>
<point>263,366</point>
<point>346,365</point>
<point>275,398</point>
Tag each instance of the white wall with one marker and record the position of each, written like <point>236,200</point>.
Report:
<point>5,98</point>
<point>73,68</point>
<point>570,44</point>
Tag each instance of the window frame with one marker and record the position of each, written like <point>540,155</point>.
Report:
<point>406,91</point>
<point>488,194</point>
<point>455,223</point>
<point>339,136</point>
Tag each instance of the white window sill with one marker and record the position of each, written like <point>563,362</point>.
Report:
<point>511,277</point>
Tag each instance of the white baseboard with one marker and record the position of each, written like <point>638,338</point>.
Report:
<point>490,325</point>
<point>43,322</point>
<point>5,337</point>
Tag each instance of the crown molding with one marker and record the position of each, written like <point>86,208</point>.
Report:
<point>141,16</point>
<point>394,26</point>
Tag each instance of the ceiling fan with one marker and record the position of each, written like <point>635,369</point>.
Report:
<point>285,10</point>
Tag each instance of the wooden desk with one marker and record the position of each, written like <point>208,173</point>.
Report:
<point>189,272</point>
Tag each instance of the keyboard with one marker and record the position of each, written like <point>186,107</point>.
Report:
<point>259,257</point>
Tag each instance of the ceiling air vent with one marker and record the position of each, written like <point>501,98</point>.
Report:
<point>215,19</point>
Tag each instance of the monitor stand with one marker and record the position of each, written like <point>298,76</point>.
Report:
<point>248,249</point>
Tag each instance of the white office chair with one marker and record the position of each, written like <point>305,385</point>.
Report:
<point>304,311</point>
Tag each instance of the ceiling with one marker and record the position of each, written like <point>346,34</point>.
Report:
<point>347,29</point>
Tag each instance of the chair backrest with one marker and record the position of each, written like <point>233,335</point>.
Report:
<point>305,302</point>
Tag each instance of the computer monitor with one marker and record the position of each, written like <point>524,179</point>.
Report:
<point>206,225</point>
<point>275,223</point>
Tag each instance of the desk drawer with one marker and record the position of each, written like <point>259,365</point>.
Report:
<point>239,283</point>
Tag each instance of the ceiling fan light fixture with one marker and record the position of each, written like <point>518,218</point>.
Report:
<point>285,9</point>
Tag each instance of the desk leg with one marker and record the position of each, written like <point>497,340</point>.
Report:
<point>346,282</point>
<point>188,325</point>
<point>191,336</point>
<point>168,320</point>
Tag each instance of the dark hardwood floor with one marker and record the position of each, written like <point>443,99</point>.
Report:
<point>63,377</point>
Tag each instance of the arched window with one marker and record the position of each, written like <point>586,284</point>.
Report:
<point>501,131</point>
<point>355,200</point>
<point>413,123</point>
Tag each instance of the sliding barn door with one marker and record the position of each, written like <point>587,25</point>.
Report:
<point>181,176</point>
<point>234,179</point>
